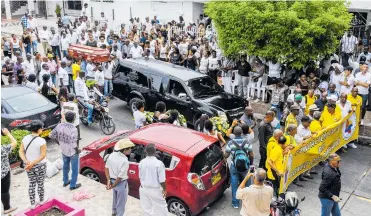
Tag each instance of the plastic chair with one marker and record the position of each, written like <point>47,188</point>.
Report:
<point>235,81</point>
<point>249,86</point>
<point>263,87</point>
<point>292,89</point>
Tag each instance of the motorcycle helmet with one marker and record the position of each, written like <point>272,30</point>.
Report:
<point>291,200</point>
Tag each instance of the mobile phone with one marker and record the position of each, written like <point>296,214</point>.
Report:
<point>252,169</point>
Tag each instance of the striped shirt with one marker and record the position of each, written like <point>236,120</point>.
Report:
<point>348,43</point>
<point>66,135</point>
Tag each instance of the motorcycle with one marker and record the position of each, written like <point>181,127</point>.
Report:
<point>287,206</point>
<point>100,115</point>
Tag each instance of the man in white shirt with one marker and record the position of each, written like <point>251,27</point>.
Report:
<point>292,98</point>
<point>336,76</point>
<point>54,43</point>
<point>28,65</point>
<point>44,36</point>
<point>348,45</point>
<point>303,132</point>
<point>32,22</point>
<point>74,37</point>
<point>347,80</point>
<point>107,69</point>
<point>363,81</point>
<point>71,106</point>
<point>116,51</point>
<point>136,51</point>
<point>365,54</point>
<point>103,21</point>
<point>99,77</point>
<point>90,69</point>
<point>44,70</point>
<point>116,170</point>
<point>153,183</point>
<point>81,91</point>
<point>63,75</point>
<point>148,25</point>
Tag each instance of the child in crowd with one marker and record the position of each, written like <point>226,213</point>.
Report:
<point>139,117</point>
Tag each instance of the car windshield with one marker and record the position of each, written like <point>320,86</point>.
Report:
<point>203,86</point>
<point>23,103</point>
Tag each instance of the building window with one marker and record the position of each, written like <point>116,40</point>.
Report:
<point>74,5</point>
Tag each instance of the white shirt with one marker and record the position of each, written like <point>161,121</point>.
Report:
<point>65,42</point>
<point>335,80</point>
<point>302,132</point>
<point>108,71</point>
<point>118,54</point>
<point>99,77</point>
<point>136,52</point>
<point>118,165</point>
<point>148,26</point>
<point>29,67</point>
<point>274,70</point>
<point>163,52</point>
<point>344,109</point>
<point>151,172</point>
<point>360,77</point>
<point>204,64</point>
<point>56,39</point>
<point>213,63</point>
<point>100,43</point>
<point>80,89</point>
<point>41,74</point>
<point>348,43</point>
<point>90,69</point>
<point>32,23</point>
<point>74,38</point>
<point>44,35</point>
<point>350,82</point>
<point>62,74</point>
<point>183,48</point>
<point>139,119</point>
<point>33,152</point>
<point>71,106</point>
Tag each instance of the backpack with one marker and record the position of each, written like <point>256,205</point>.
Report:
<point>240,158</point>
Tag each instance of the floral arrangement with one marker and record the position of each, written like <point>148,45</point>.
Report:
<point>18,135</point>
<point>149,116</point>
<point>220,123</point>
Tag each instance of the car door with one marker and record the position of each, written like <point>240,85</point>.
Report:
<point>173,101</point>
<point>136,155</point>
<point>139,82</point>
<point>157,90</point>
<point>121,89</point>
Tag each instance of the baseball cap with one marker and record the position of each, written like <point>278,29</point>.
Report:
<point>298,97</point>
<point>313,107</point>
<point>295,107</point>
<point>332,97</point>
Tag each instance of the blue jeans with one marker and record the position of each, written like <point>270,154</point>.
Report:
<point>34,46</point>
<point>54,78</point>
<point>90,112</point>
<point>364,101</point>
<point>278,111</point>
<point>236,179</point>
<point>17,49</point>
<point>108,87</point>
<point>330,207</point>
<point>27,48</point>
<point>65,53</point>
<point>74,162</point>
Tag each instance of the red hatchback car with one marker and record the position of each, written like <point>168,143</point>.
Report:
<point>196,174</point>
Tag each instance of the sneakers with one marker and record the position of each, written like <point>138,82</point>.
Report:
<point>352,145</point>
<point>235,206</point>
<point>44,201</point>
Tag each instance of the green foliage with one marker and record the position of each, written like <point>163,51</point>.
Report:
<point>290,31</point>
<point>58,10</point>
<point>18,135</point>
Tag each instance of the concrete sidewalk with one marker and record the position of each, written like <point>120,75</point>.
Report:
<point>99,205</point>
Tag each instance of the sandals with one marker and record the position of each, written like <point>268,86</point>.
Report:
<point>10,210</point>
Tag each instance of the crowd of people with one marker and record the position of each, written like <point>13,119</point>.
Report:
<point>323,94</point>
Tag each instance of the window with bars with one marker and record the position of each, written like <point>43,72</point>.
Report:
<point>74,5</point>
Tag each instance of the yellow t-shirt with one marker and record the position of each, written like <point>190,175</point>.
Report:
<point>272,142</point>
<point>309,101</point>
<point>290,140</point>
<point>337,110</point>
<point>75,68</point>
<point>276,156</point>
<point>291,119</point>
<point>329,119</point>
<point>355,101</point>
<point>315,126</point>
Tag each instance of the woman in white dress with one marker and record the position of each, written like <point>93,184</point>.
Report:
<point>204,63</point>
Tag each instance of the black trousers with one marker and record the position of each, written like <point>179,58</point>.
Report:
<point>345,58</point>
<point>5,196</point>
<point>214,74</point>
<point>78,135</point>
<point>276,183</point>
<point>263,157</point>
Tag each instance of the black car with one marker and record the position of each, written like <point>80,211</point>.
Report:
<point>189,92</point>
<point>20,105</point>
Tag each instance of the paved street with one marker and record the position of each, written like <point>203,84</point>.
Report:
<point>356,174</point>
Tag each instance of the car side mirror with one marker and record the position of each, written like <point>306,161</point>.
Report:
<point>182,96</point>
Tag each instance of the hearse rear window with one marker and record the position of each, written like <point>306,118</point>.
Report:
<point>206,159</point>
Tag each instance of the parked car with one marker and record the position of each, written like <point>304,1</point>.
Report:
<point>196,174</point>
<point>20,105</point>
<point>189,92</point>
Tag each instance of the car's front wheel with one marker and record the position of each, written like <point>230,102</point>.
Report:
<point>91,174</point>
<point>132,105</point>
<point>178,207</point>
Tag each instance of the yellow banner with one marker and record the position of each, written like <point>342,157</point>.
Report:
<point>319,147</point>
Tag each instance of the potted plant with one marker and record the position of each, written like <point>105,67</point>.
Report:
<point>58,10</point>
<point>18,135</point>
